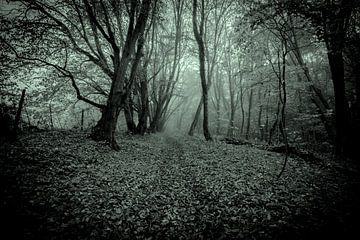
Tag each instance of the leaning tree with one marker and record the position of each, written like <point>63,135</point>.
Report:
<point>108,34</point>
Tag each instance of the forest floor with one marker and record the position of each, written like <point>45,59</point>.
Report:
<point>62,185</point>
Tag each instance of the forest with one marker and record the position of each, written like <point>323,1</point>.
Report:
<point>180,119</point>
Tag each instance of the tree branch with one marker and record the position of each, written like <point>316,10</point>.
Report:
<point>61,70</point>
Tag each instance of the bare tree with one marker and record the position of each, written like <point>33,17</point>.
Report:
<point>164,86</point>
<point>199,36</point>
<point>95,31</point>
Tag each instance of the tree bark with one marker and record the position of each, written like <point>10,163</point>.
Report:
<point>196,118</point>
<point>198,32</point>
<point>218,118</point>
<point>335,33</point>
<point>121,87</point>
<point>156,120</point>
<point>352,86</point>
<point>266,127</point>
<point>217,99</point>
<point>51,117</point>
<point>144,109</point>
<point>105,128</point>
<point>341,109</point>
<point>129,117</point>
<point>242,111</point>
<point>18,114</point>
<point>249,115</point>
<point>275,124</point>
<point>206,118</point>
<point>335,23</point>
<point>259,120</point>
<point>82,120</point>
<point>230,132</point>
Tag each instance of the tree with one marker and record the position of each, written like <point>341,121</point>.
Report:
<point>169,50</point>
<point>119,91</point>
<point>217,99</point>
<point>287,28</point>
<point>330,19</point>
<point>231,77</point>
<point>95,31</point>
<point>199,36</point>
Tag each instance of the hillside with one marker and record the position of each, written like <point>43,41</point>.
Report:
<point>61,185</point>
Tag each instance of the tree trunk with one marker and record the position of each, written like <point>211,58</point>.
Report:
<point>206,117</point>
<point>180,119</point>
<point>144,111</point>
<point>18,114</point>
<point>230,132</point>
<point>129,118</point>
<point>154,124</point>
<point>51,117</point>
<point>335,36</point>
<point>341,110</point>
<point>322,106</point>
<point>201,46</point>
<point>266,127</point>
<point>352,87</point>
<point>217,100</point>
<point>275,124</point>
<point>105,128</point>
<point>249,115</point>
<point>218,117</point>
<point>196,118</point>
<point>242,111</point>
<point>82,120</point>
<point>260,126</point>
<point>121,87</point>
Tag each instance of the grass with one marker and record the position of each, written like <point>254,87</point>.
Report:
<point>61,185</point>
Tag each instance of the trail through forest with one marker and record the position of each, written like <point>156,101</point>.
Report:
<point>61,185</point>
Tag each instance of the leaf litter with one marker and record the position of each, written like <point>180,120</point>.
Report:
<point>61,185</point>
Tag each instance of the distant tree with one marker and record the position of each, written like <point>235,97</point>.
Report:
<point>217,98</point>
<point>216,16</point>
<point>169,50</point>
